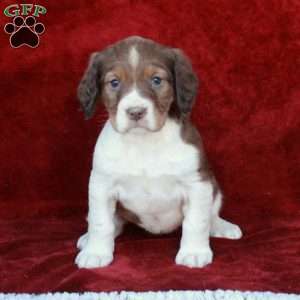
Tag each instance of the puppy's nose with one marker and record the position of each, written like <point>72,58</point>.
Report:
<point>136,113</point>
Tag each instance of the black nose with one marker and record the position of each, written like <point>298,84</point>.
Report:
<point>136,113</point>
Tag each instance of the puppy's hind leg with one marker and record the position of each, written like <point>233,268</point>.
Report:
<point>224,229</point>
<point>119,225</point>
<point>82,241</point>
<point>221,228</point>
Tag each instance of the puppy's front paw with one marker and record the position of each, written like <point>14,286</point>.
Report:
<point>194,258</point>
<point>89,260</point>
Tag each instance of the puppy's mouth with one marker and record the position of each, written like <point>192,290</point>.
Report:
<point>140,126</point>
<point>136,127</point>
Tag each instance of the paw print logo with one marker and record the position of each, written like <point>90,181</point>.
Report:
<point>24,31</point>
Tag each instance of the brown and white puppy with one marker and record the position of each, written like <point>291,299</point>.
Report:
<point>149,165</point>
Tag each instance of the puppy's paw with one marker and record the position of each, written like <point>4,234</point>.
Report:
<point>89,260</point>
<point>82,241</point>
<point>194,258</point>
<point>233,232</point>
<point>224,229</point>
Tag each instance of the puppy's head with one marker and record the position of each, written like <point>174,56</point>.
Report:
<point>141,84</point>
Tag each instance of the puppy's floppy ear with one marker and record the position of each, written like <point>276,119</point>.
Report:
<point>186,82</point>
<point>89,86</point>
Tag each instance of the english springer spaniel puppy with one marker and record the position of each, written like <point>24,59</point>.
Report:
<point>149,166</point>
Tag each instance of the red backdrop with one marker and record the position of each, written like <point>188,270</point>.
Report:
<point>246,54</point>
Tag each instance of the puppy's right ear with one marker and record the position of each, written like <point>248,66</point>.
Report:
<point>89,86</point>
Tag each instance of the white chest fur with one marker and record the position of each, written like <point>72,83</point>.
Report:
<point>148,172</point>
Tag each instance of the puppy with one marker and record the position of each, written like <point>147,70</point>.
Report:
<point>149,166</point>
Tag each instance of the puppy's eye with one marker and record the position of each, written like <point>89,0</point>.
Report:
<point>115,83</point>
<point>156,81</point>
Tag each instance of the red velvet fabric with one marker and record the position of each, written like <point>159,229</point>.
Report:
<point>246,54</point>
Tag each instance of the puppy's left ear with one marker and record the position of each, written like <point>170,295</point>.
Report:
<point>89,86</point>
<point>186,82</point>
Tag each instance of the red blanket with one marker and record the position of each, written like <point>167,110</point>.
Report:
<point>246,54</point>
